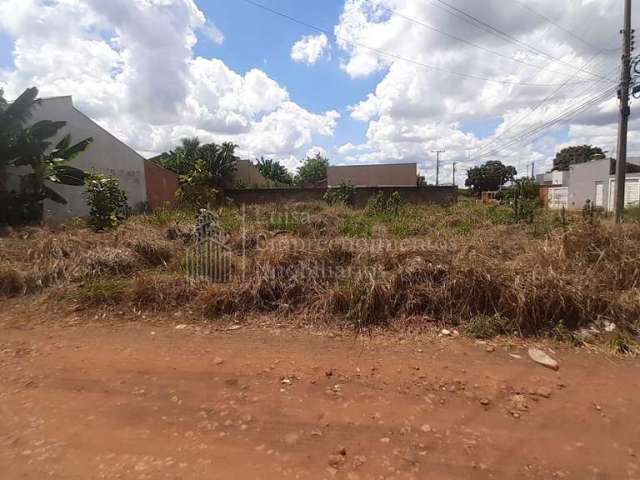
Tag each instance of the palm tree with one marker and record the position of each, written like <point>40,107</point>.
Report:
<point>221,161</point>
<point>274,171</point>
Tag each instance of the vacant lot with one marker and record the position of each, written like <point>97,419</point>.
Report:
<point>469,267</point>
<point>323,354</point>
<point>114,399</point>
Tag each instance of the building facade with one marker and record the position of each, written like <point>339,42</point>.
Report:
<point>106,154</point>
<point>592,181</point>
<point>381,175</point>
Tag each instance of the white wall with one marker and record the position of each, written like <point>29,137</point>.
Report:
<point>105,155</point>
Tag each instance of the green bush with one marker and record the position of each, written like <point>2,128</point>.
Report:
<point>344,194</point>
<point>108,202</point>
<point>380,203</point>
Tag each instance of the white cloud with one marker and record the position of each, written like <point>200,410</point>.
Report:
<point>309,49</point>
<point>415,109</point>
<point>129,64</point>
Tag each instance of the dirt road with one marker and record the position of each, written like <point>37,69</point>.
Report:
<point>148,402</point>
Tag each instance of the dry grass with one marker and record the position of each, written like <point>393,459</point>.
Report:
<point>162,291</point>
<point>472,268</point>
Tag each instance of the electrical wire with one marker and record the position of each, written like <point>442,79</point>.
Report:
<point>486,27</point>
<point>465,41</point>
<point>533,134</point>
<point>401,58</point>
<point>542,103</point>
<point>557,25</point>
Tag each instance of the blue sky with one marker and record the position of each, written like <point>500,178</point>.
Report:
<point>255,38</point>
<point>390,109</point>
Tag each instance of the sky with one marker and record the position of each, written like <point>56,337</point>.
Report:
<point>360,81</point>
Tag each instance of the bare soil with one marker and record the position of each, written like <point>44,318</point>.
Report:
<point>133,400</point>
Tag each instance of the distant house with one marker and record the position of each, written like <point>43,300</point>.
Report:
<point>379,175</point>
<point>106,155</point>
<point>593,181</point>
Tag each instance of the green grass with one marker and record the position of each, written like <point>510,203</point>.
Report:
<point>101,291</point>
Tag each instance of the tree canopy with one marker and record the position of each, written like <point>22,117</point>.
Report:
<point>490,176</point>
<point>274,171</point>
<point>312,170</point>
<point>220,161</point>
<point>573,155</point>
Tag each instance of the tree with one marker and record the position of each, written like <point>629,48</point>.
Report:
<point>421,181</point>
<point>312,170</point>
<point>182,159</point>
<point>220,161</point>
<point>490,176</point>
<point>576,154</point>
<point>274,171</point>
<point>30,147</point>
<point>197,188</point>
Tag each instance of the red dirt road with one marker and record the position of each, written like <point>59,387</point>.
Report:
<point>148,402</point>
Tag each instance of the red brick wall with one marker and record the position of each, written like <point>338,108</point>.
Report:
<point>161,185</point>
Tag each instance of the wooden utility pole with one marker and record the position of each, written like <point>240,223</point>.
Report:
<point>438,152</point>
<point>454,175</point>
<point>625,111</point>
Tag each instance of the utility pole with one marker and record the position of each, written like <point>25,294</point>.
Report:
<point>533,165</point>
<point>625,111</point>
<point>454,174</point>
<point>438,152</point>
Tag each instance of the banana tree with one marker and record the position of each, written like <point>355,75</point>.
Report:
<point>50,167</point>
<point>22,145</point>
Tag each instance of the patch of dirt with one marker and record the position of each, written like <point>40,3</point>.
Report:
<point>142,401</point>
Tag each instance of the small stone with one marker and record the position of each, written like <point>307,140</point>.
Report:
<point>335,461</point>
<point>359,460</point>
<point>385,440</point>
<point>485,402</point>
<point>544,392</point>
<point>182,326</point>
<point>445,332</point>
<point>218,361</point>
<point>490,349</point>
<point>543,359</point>
<point>426,428</point>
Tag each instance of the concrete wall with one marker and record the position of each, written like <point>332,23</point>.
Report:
<point>413,195</point>
<point>162,185</point>
<point>383,175</point>
<point>105,155</point>
<point>582,182</point>
<point>250,176</point>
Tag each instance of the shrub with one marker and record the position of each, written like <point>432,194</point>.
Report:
<point>197,188</point>
<point>162,292</point>
<point>154,252</point>
<point>101,291</point>
<point>107,201</point>
<point>12,283</point>
<point>380,203</point>
<point>344,194</point>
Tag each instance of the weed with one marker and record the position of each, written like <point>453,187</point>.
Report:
<point>101,291</point>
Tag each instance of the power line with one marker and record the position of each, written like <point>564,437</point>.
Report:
<point>537,107</point>
<point>486,27</point>
<point>557,25</point>
<point>399,57</point>
<point>566,115</point>
<point>465,41</point>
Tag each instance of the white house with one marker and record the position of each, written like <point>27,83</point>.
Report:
<point>106,154</point>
